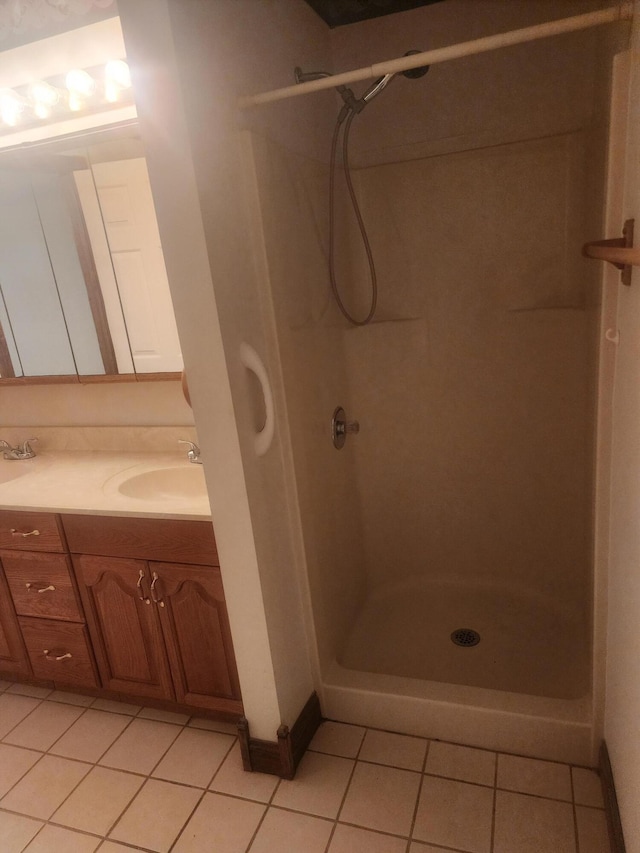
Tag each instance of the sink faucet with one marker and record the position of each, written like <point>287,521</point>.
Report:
<point>24,452</point>
<point>193,454</point>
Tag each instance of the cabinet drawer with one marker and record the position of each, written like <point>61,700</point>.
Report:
<point>41,585</point>
<point>30,531</point>
<point>59,651</point>
<point>142,538</point>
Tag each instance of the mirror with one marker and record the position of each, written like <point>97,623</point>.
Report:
<point>83,285</point>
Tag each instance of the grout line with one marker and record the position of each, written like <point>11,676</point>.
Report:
<point>185,824</point>
<point>495,804</point>
<point>575,814</point>
<point>419,794</point>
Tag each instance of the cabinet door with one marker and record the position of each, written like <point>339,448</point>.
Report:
<point>190,600</point>
<point>13,655</point>
<point>124,625</point>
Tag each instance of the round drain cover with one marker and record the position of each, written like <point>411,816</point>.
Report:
<point>465,637</point>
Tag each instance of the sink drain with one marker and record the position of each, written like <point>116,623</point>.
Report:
<point>465,637</point>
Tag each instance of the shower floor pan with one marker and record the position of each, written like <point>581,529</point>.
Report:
<point>526,645</point>
<point>524,688</point>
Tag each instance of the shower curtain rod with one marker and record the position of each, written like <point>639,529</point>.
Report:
<point>622,12</point>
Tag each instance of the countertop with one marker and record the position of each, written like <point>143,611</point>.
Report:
<point>88,482</point>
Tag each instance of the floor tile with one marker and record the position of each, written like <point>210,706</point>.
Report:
<point>381,798</point>
<point>530,776</point>
<point>319,786</point>
<point>13,709</point>
<point>223,824</point>
<point>338,739</point>
<point>70,698</point>
<point>29,690</point>
<point>42,728</point>
<point>532,825</point>
<point>455,814</point>
<point>141,746</point>
<point>232,779</point>
<point>16,831</point>
<point>213,725</point>
<point>593,835</point>
<point>55,839</point>
<point>395,750</point>
<point>351,839</point>
<point>45,786</point>
<point>194,757</point>
<point>587,787</point>
<point>115,847</point>
<point>156,816</point>
<point>419,847</point>
<point>14,763</point>
<point>461,762</point>
<point>99,800</point>
<point>90,736</point>
<point>282,830</point>
<point>163,716</point>
<point>4,685</point>
<point>116,707</point>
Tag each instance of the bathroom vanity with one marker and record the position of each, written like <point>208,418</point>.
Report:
<point>122,605</point>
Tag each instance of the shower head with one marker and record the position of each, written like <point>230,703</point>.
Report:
<point>382,82</point>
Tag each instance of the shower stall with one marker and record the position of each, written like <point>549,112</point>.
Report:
<point>449,544</point>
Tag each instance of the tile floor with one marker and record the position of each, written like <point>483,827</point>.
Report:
<point>79,775</point>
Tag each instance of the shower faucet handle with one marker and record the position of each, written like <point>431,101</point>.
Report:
<point>341,427</point>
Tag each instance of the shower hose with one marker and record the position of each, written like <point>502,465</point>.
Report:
<point>361,225</point>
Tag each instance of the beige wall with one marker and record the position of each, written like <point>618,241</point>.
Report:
<point>102,404</point>
<point>475,390</point>
<point>622,732</point>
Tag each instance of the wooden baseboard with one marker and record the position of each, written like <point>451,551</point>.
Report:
<point>614,823</point>
<point>282,756</point>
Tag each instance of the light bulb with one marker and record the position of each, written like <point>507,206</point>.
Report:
<point>76,103</point>
<point>117,71</point>
<point>44,93</point>
<point>79,82</point>
<point>41,110</point>
<point>11,105</point>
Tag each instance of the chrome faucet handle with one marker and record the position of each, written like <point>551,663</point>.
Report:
<point>193,454</point>
<point>26,451</point>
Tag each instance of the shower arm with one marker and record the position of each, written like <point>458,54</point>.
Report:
<point>618,251</point>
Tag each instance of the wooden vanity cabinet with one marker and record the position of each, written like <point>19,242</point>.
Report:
<point>13,655</point>
<point>39,587</point>
<point>154,604</point>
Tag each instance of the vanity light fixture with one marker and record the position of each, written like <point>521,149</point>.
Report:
<point>79,90</point>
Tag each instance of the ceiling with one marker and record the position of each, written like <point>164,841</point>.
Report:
<point>339,12</point>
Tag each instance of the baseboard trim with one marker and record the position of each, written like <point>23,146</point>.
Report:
<point>611,801</point>
<point>282,756</point>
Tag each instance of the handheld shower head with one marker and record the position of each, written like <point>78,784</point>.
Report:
<point>382,82</point>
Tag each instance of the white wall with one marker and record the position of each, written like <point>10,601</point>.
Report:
<point>189,62</point>
<point>622,712</point>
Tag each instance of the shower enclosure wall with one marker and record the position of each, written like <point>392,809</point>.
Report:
<point>466,500</point>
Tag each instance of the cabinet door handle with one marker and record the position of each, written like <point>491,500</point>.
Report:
<point>141,594</point>
<point>15,532</point>
<point>50,656</point>
<point>155,580</point>
<point>50,588</point>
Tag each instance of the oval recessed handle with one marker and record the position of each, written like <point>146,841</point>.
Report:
<point>49,656</point>
<point>15,532</point>
<point>252,361</point>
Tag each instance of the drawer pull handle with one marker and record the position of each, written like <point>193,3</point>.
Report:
<point>141,594</point>
<point>15,532</point>
<point>155,580</point>
<point>50,588</point>
<point>49,656</point>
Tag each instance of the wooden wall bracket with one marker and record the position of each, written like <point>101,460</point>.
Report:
<point>618,251</point>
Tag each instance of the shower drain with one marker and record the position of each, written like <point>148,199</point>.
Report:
<point>465,637</point>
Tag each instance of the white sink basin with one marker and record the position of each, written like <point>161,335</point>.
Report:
<point>13,470</point>
<point>166,484</point>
